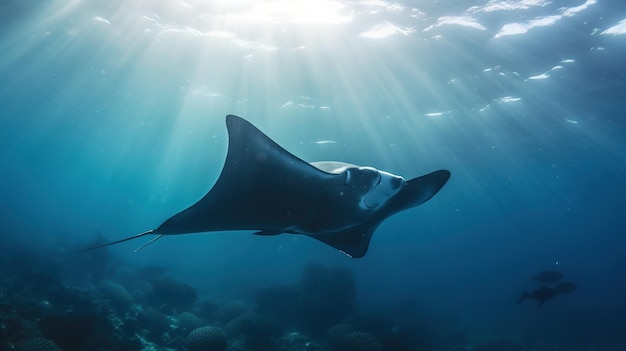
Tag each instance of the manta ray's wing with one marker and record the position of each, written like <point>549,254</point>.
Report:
<point>355,241</point>
<point>262,187</point>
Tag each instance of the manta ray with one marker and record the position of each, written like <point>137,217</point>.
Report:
<point>265,188</point>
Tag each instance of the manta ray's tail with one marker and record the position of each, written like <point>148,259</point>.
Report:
<point>126,239</point>
<point>523,297</point>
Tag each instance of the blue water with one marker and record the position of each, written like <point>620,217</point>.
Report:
<point>112,120</point>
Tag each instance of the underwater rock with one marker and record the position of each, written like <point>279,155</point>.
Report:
<point>206,308</point>
<point>39,284</point>
<point>207,339</point>
<point>37,344</point>
<point>31,294</point>
<point>170,293</point>
<point>231,310</point>
<point>154,321</point>
<point>12,328</point>
<point>257,331</point>
<point>77,331</point>
<point>30,309</point>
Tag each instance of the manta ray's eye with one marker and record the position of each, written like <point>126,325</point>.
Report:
<point>396,182</point>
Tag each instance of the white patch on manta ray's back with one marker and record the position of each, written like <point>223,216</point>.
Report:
<point>333,167</point>
<point>381,190</point>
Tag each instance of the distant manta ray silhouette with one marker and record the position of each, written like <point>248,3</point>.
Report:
<point>265,188</point>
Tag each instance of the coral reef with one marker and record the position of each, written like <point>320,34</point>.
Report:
<point>138,310</point>
<point>188,321</point>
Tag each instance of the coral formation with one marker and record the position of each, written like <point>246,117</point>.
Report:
<point>361,341</point>
<point>207,339</point>
<point>188,321</point>
<point>293,340</point>
<point>174,295</point>
<point>116,294</point>
<point>336,334</point>
<point>37,344</point>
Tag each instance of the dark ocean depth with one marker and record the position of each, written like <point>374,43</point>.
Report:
<point>112,120</point>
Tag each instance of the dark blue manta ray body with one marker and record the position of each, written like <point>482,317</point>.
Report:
<point>265,188</point>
